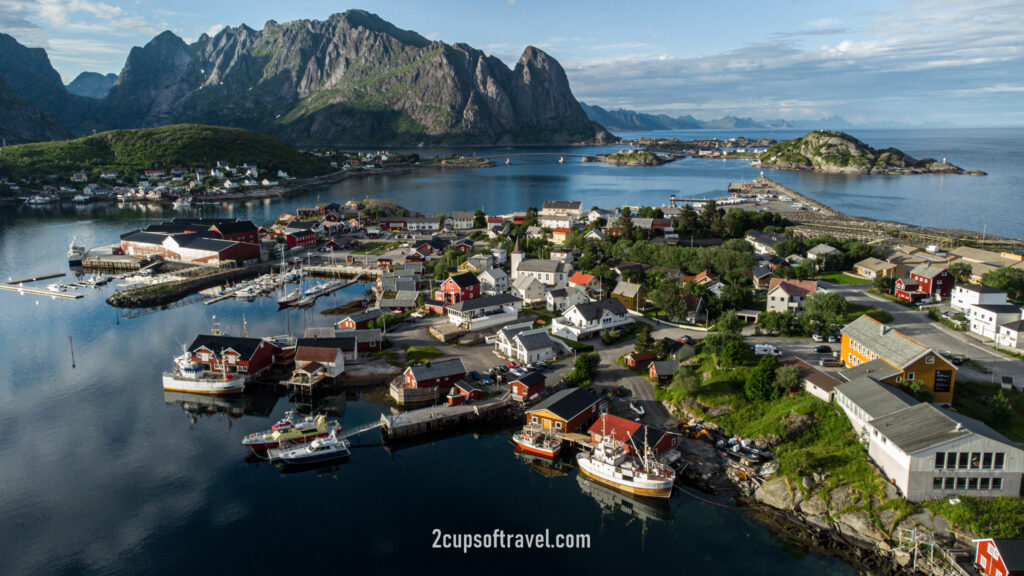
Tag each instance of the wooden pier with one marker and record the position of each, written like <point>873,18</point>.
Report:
<point>437,418</point>
<point>19,287</point>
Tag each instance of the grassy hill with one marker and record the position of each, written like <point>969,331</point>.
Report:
<point>824,151</point>
<point>129,152</point>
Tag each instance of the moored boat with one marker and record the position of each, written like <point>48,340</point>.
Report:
<point>291,430</point>
<point>75,252</point>
<point>290,298</point>
<point>324,449</point>
<point>536,442</point>
<point>610,464</point>
<point>190,376</point>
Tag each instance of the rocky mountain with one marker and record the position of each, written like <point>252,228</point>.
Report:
<point>837,152</point>
<point>92,84</point>
<point>629,120</point>
<point>351,79</point>
<point>22,122</point>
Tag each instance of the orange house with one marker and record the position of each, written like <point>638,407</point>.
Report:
<point>870,348</point>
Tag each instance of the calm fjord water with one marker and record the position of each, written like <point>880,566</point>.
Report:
<point>102,473</point>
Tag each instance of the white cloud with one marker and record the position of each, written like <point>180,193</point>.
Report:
<point>214,30</point>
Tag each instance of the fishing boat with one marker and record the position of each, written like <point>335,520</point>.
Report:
<point>191,376</point>
<point>508,161</point>
<point>41,200</point>
<point>291,430</point>
<point>536,442</point>
<point>75,252</point>
<point>610,464</point>
<point>323,449</point>
<point>183,203</point>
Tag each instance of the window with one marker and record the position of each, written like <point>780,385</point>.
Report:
<point>982,560</point>
<point>940,461</point>
<point>533,420</point>
<point>984,483</point>
<point>975,460</point>
<point>972,483</point>
<point>937,483</point>
<point>949,483</point>
<point>961,483</point>
<point>999,461</point>
<point>929,360</point>
<point>963,461</point>
<point>951,461</point>
<point>558,425</point>
<point>910,375</point>
<point>997,483</point>
<point>986,461</point>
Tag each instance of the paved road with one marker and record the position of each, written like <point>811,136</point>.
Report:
<point>918,326</point>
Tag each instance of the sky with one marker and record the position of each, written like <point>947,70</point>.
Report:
<point>871,61</point>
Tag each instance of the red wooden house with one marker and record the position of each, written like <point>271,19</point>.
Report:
<point>360,320</point>
<point>302,238</point>
<point>662,370</point>
<point>527,386</point>
<point>245,357</point>
<point>429,375</point>
<point>239,231</point>
<point>494,220</point>
<point>925,281</point>
<point>463,392</point>
<point>458,288</point>
<point>632,434</point>
<point>639,359</point>
<point>1000,556</point>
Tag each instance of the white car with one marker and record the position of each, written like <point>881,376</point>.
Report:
<point>818,337</point>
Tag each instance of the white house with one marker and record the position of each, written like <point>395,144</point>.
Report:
<point>485,311</point>
<point>500,256</point>
<point>587,319</point>
<point>493,281</point>
<point>547,272</point>
<point>554,221</point>
<point>966,295</point>
<point>784,295</point>
<point>524,343</point>
<point>1010,335</point>
<point>561,299</point>
<point>317,358</point>
<point>573,208</point>
<point>985,319</point>
<point>529,289</point>
<point>764,242</point>
<point>823,251</point>
<point>461,220</point>
<point>423,224</point>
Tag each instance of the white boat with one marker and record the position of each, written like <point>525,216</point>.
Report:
<point>191,376</point>
<point>183,203</point>
<point>323,449</point>
<point>75,252</point>
<point>40,200</point>
<point>290,298</point>
<point>637,409</point>
<point>610,464</point>
<point>536,442</point>
<point>97,281</point>
<point>57,288</point>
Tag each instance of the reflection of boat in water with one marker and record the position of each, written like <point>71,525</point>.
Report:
<point>545,466</point>
<point>612,500</point>
<point>206,404</point>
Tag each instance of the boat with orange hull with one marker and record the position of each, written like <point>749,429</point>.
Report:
<point>291,430</point>
<point>536,442</point>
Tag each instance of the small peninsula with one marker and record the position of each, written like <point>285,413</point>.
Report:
<point>840,153</point>
<point>635,158</point>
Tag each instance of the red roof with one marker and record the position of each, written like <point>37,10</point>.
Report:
<point>581,279</point>
<point>494,220</point>
<point>794,287</point>
<point>560,230</point>
<point>617,427</point>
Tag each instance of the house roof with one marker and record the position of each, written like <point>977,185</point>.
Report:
<point>1011,550</point>
<point>664,367</point>
<point>318,353</point>
<point>811,374</point>
<point>302,224</point>
<point>531,378</point>
<point>617,427</point>
<point>464,280</point>
<point>568,403</point>
<point>235,227</point>
<point>364,316</point>
<point>463,214</point>
<point>627,289</point>
<point>534,340</point>
<point>494,273</point>
<point>766,238</point>
<point>1015,326</point>
<point>581,278</point>
<point>923,426</point>
<point>926,270</point>
<point>441,369</point>
<point>245,347</point>
<point>999,308</point>
<point>484,302</point>
<point>794,287</point>
<point>874,264</point>
<point>360,335</point>
<point>878,369</point>
<point>402,299</point>
<point>823,249</point>
<point>874,398</point>
<point>196,242</point>
<point>594,310</point>
<point>144,237</point>
<point>347,343</point>
<point>311,368</point>
<point>558,293</point>
<point>562,205</point>
<point>896,348</point>
<point>524,282</point>
<point>544,266</point>
<point>467,387</point>
<point>980,288</point>
<point>762,270</point>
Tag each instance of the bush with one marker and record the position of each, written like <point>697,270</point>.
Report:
<point>918,390</point>
<point>583,370</point>
<point>787,379</point>
<point>759,385</point>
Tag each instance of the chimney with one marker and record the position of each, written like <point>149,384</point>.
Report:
<point>881,330</point>
<point>959,427</point>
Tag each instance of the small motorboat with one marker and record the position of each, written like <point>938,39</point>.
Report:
<point>637,409</point>
<point>320,450</point>
<point>536,442</point>
<point>57,288</point>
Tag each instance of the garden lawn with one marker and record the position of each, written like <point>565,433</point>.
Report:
<point>843,278</point>
<point>974,399</point>
<point>421,355</point>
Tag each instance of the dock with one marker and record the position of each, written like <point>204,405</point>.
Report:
<point>442,417</point>
<point>19,287</point>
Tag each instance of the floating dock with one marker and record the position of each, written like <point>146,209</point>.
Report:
<point>19,287</point>
<point>438,418</point>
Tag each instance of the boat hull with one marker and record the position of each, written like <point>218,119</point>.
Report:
<point>203,386</point>
<point>537,450</point>
<point>312,459</point>
<point>628,488</point>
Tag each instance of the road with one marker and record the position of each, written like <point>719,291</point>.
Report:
<point>918,326</point>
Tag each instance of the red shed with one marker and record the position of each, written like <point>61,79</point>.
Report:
<point>660,441</point>
<point>468,390</point>
<point>639,359</point>
<point>661,370</point>
<point>303,238</point>
<point>528,385</point>
<point>1000,556</point>
<point>239,231</point>
<point>443,373</point>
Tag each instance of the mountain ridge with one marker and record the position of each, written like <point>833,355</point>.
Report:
<point>630,120</point>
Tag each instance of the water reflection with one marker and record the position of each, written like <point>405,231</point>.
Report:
<point>612,501</point>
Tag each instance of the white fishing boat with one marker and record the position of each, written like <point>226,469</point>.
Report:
<point>191,376</point>
<point>609,463</point>
<point>290,298</point>
<point>324,449</point>
<point>75,252</point>
<point>41,200</point>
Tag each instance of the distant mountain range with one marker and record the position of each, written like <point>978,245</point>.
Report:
<point>630,121</point>
<point>352,79</point>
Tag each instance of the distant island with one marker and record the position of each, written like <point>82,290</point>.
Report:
<point>840,153</point>
<point>635,158</point>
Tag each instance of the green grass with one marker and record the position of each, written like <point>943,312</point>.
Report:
<point>421,355</point>
<point>1001,517</point>
<point>854,311</point>
<point>843,278</point>
<point>974,399</point>
<point>390,356</point>
<point>1010,353</point>
<point>577,346</point>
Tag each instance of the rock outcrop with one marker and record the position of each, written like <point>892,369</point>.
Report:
<point>92,84</point>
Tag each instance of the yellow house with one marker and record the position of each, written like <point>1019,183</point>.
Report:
<point>632,296</point>
<point>870,348</point>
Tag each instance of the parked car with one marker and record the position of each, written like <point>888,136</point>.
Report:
<point>818,337</point>
<point>620,391</point>
<point>543,365</point>
<point>511,364</point>
<point>475,375</point>
<point>957,360</point>
<point>833,338</point>
<point>686,339</point>
<point>830,362</point>
<point>766,350</point>
<point>417,315</point>
<point>486,379</point>
<point>823,349</point>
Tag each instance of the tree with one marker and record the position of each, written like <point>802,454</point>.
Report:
<point>735,297</point>
<point>759,383</point>
<point>624,225</point>
<point>884,284</point>
<point>660,349</point>
<point>668,297</point>
<point>824,312</point>
<point>686,380</point>
<point>1010,280</point>
<point>918,390</point>
<point>787,379</point>
<point>479,219</point>
<point>771,321</point>
<point>1000,406</point>
<point>644,342</point>
<point>788,246</point>
<point>583,370</point>
<point>729,323</point>
<point>962,271</point>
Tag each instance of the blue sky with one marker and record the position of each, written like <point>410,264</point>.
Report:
<point>917,61</point>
